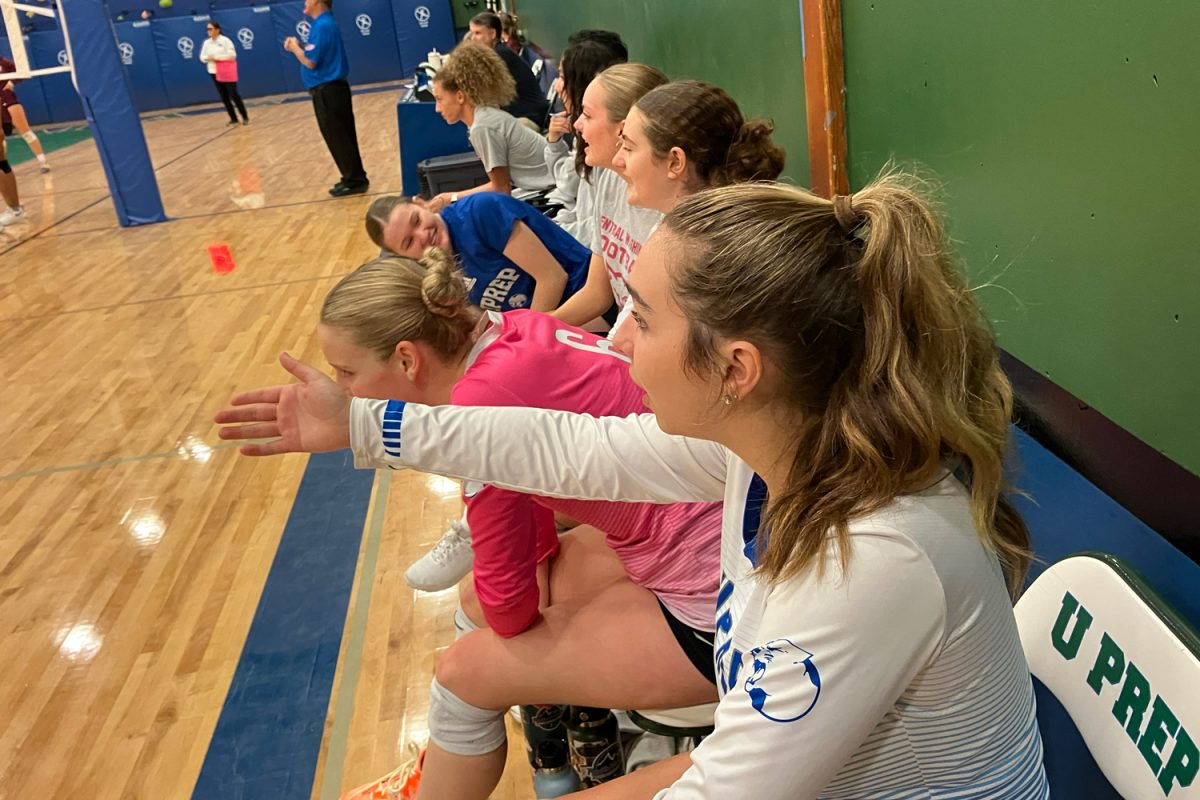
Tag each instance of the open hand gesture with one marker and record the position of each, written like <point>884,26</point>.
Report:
<point>312,416</point>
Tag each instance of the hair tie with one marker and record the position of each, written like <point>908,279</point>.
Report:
<point>843,211</point>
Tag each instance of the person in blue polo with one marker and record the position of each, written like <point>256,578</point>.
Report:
<point>324,68</point>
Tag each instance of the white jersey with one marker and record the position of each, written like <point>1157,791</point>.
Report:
<point>899,676</point>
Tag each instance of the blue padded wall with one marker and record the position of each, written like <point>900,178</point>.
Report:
<point>184,76</point>
<point>140,59</point>
<point>46,49</point>
<point>30,93</point>
<point>260,70</point>
<point>289,20</point>
<point>370,36</point>
<point>421,26</point>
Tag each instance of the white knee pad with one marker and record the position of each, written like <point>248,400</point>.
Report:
<point>458,727</point>
<point>29,136</point>
<point>462,623</point>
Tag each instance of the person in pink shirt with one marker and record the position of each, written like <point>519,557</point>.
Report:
<point>643,574</point>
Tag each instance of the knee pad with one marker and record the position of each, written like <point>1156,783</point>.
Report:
<point>462,623</point>
<point>29,136</point>
<point>4,167</point>
<point>458,727</point>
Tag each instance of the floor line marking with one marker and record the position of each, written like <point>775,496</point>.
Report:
<point>109,462</point>
<point>343,703</point>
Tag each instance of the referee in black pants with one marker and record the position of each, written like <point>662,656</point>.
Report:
<point>324,68</point>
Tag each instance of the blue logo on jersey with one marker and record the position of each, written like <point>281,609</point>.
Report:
<point>773,684</point>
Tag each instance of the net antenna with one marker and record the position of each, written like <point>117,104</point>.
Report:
<point>20,57</point>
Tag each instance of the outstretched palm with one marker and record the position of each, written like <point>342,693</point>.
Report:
<point>312,416</point>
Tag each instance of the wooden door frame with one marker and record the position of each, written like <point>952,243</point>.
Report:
<point>825,95</point>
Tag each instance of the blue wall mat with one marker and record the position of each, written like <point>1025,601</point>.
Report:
<point>140,59</point>
<point>422,25</point>
<point>424,134</point>
<point>30,93</point>
<point>260,71</point>
<point>370,35</point>
<point>46,48</point>
<point>115,126</point>
<point>289,20</point>
<point>184,76</point>
<point>1066,514</point>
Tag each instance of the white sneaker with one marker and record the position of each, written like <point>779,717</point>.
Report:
<point>449,560</point>
<point>11,215</point>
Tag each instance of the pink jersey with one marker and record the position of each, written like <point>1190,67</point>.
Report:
<point>524,358</point>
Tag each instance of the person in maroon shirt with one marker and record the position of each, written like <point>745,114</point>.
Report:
<point>12,115</point>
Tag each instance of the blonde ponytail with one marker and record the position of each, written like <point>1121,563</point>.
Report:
<point>394,299</point>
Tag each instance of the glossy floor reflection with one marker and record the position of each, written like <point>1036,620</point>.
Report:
<point>134,546</point>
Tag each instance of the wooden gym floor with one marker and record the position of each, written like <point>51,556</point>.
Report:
<point>177,620</point>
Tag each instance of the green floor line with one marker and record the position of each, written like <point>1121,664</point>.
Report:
<point>111,462</point>
<point>343,706</point>
<point>51,138</point>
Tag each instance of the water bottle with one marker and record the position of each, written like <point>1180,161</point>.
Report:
<point>542,724</point>
<point>595,742</point>
<point>553,775</point>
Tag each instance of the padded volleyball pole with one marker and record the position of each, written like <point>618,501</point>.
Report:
<point>107,104</point>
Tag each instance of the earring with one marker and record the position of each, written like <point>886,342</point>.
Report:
<point>730,399</point>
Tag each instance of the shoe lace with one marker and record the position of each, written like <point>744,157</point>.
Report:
<point>401,783</point>
<point>452,541</point>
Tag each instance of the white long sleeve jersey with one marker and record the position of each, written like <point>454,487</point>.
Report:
<point>899,676</point>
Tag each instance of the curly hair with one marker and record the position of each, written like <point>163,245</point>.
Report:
<point>476,71</point>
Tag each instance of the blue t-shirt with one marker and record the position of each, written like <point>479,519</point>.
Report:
<point>480,226</point>
<point>327,52</point>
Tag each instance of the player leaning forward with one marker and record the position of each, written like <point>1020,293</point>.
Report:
<point>820,367</point>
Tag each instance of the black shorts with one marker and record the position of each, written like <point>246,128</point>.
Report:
<point>9,129</point>
<point>697,644</point>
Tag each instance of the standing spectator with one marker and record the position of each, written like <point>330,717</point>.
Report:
<point>12,115</point>
<point>531,103</point>
<point>324,68</point>
<point>218,49</point>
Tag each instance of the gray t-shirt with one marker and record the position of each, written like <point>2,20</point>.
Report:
<point>501,141</point>
<point>620,229</point>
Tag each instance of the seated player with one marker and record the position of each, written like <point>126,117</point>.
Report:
<point>822,367</point>
<point>512,256</point>
<point>471,87</point>
<point>401,329</point>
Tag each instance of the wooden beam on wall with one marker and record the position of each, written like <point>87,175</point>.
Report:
<point>825,95</point>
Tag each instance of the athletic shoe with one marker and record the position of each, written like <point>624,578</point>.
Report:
<point>232,122</point>
<point>345,190</point>
<point>399,784</point>
<point>245,122</point>
<point>45,167</point>
<point>11,215</point>
<point>447,562</point>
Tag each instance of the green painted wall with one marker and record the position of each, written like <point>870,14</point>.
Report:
<point>1066,137</point>
<point>752,49</point>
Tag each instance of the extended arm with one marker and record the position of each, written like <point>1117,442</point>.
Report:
<point>592,300</point>
<point>526,250</point>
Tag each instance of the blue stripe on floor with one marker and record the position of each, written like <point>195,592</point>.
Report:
<point>268,736</point>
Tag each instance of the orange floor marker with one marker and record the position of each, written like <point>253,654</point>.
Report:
<point>221,258</point>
